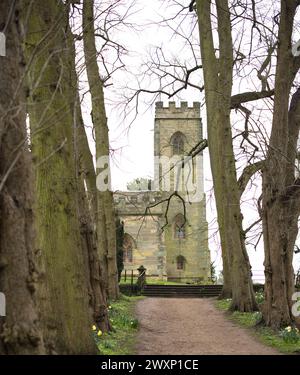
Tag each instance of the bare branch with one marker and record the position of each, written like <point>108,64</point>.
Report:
<point>247,173</point>
<point>251,226</point>
<point>250,96</point>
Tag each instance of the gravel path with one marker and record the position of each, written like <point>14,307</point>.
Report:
<point>191,326</point>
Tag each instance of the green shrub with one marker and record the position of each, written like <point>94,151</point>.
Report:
<point>121,339</point>
<point>290,335</point>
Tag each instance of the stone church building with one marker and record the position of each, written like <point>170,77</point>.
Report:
<point>166,232</point>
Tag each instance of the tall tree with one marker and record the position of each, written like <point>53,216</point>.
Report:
<point>66,310</point>
<point>88,215</point>
<point>218,88</point>
<point>281,198</point>
<point>105,207</point>
<point>20,331</point>
<point>85,174</point>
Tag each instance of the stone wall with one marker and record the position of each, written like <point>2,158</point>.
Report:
<point>144,226</point>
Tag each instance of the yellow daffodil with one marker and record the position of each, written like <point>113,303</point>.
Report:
<point>99,333</point>
<point>288,329</point>
<point>94,327</point>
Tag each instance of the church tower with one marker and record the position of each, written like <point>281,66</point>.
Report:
<point>179,178</point>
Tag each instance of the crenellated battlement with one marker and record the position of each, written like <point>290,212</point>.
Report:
<point>172,106</point>
<point>171,110</point>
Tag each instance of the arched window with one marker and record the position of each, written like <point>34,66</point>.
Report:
<point>177,143</point>
<point>128,246</point>
<point>180,261</point>
<point>179,226</point>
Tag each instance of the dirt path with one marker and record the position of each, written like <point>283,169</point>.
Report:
<point>191,326</point>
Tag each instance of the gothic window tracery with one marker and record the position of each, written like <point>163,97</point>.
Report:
<point>177,143</point>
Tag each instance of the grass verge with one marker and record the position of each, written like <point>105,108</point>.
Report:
<point>264,334</point>
<point>121,339</point>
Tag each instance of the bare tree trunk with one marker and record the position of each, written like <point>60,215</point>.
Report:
<point>20,331</point>
<point>227,285</point>
<point>89,246</point>
<point>218,86</point>
<point>104,198</point>
<point>87,212</point>
<point>66,311</point>
<point>97,217</point>
<point>281,203</point>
